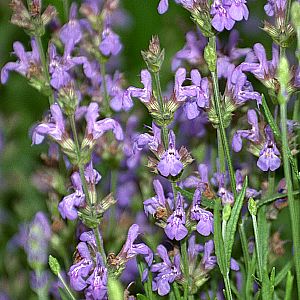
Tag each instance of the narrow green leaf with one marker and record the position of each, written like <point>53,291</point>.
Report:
<point>218,240</point>
<point>283,273</point>
<point>289,286</point>
<point>141,297</point>
<point>189,196</point>
<point>233,221</point>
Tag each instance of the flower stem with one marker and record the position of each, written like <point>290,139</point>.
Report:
<point>228,287</point>
<point>66,286</point>
<point>66,9</point>
<point>106,107</point>
<point>85,188</point>
<point>258,254</point>
<point>221,152</point>
<point>185,262</point>
<point>161,108</point>
<point>294,206</point>
<point>45,67</point>
<point>218,104</point>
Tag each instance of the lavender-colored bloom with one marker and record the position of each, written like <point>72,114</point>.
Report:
<point>91,175</point>
<point>192,51</point>
<point>98,128</point>
<point>39,280</point>
<point>167,271</point>
<point>70,34</point>
<point>269,155</point>
<point>158,201</point>
<point>193,249</point>
<point>263,69</point>
<point>55,128</point>
<point>163,6</point>
<point>110,44</point>
<point>208,260</point>
<point>69,205</point>
<point>25,63</point>
<point>239,88</point>
<point>223,193</point>
<point>114,88</point>
<point>200,182</point>
<point>175,228</point>
<point>151,140</point>
<point>131,250</point>
<point>143,94</point>
<point>274,6</point>
<point>97,288</point>
<point>170,163</point>
<point>39,234</point>
<point>59,67</point>
<point>79,271</point>
<point>238,10</point>
<point>205,218</point>
<point>250,134</point>
<point>221,17</point>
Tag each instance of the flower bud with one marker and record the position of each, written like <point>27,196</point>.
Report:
<point>252,207</point>
<point>54,265</point>
<point>154,56</point>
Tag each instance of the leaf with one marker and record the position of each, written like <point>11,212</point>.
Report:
<point>232,222</point>
<point>283,273</point>
<point>289,286</point>
<point>189,196</point>
<point>141,297</point>
<point>218,240</point>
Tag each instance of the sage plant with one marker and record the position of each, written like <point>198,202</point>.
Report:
<point>219,146</point>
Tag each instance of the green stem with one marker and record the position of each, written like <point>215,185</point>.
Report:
<point>176,291</point>
<point>293,205</point>
<point>161,108</point>
<point>105,96</point>
<point>85,188</point>
<point>66,286</point>
<point>217,101</point>
<point>221,152</point>
<point>227,287</point>
<point>258,254</point>
<point>45,66</point>
<point>185,262</point>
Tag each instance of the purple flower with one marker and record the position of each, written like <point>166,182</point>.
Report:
<point>114,88</point>
<point>175,228</point>
<point>55,128</point>
<point>221,17</point>
<point>192,50</point>
<point>131,250</point>
<point>263,69</point>
<point>167,271</point>
<point>205,218</point>
<point>98,128</point>
<point>27,61</point>
<point>238,10</point>
<point>269,155</point>
<point>151,140</point>
<point>110,43</point>
<point>208,261</point>
<point>80,270</point>
<point>163,6</point>
<point>158,201</point>
<point>223,193</point>
<point>38,237</point>
<point>69,205</point>
<point>200,182</point>
<point>239,184</point>
<point>143,94</point>
<point>274,6</point>
<point>239,88</point>
<point>193,249</point>
<point>59,67</point>
<point>70,34</point>
<point>97,281</point>
<point>250,134</point>
<point>170,163</point>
